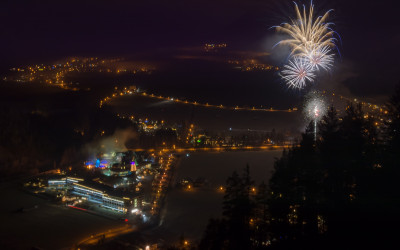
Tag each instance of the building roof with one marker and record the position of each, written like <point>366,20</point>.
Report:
<point>120,193</point>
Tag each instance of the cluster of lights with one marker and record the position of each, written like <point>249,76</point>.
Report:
<point>252,65</point>
<point>372,111</point>
<point>214,46</point>
<point>55,74</point>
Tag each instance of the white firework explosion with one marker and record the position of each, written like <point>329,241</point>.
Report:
<point>320,57</point>
<point>297,72</point>
<point>315,107</point>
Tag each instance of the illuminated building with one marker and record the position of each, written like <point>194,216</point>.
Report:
<point>63,183</point>
<point>95,192</point>
<point>116,188</point>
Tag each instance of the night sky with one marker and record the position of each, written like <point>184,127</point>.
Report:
<point>42,31</point>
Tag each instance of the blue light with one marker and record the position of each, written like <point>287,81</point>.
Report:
<point>97,163</point>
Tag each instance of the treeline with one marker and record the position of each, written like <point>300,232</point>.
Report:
<point>336,190</point>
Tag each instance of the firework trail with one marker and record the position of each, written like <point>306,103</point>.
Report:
<point>314,109</point>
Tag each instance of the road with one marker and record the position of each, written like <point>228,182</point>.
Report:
<point>221,149</point>
<point>95,239</point>
<point>186,102</point>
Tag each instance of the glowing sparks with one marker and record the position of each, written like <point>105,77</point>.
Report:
<point>307,33</point>
<point>297,72</point>
<point>311,40</point>
<point>315,107</point>
<point>320,58</point>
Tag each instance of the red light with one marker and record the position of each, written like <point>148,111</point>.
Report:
<point>126,220</point>
<point>78,208</point>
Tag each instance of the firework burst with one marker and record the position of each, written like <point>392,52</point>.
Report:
<point>312,42</point>
<point>315,107</point>
<point>297,72</point>
<point>320,57</point>
<point>307,33</point>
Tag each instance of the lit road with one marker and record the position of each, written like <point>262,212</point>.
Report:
<point>161,183</point>
<point>181,150</point>
<point>94,239</point>
<point>176,100</point>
